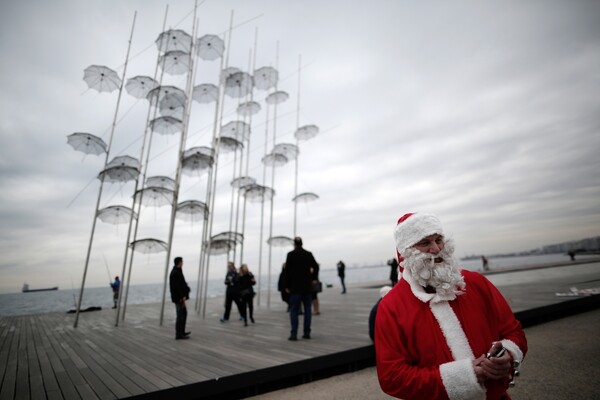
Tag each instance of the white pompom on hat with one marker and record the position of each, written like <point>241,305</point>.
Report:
<point>413,227</point>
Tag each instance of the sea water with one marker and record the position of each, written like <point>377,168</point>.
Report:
<point>65,300</point>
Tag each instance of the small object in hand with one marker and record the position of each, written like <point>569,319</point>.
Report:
<point>498,353</point>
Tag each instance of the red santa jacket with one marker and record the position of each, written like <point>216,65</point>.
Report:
<point>425,345</point>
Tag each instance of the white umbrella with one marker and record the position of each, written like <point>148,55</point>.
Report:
<point>265,78</point>
<point>161,181</point>
<point>192,210</point>
<point>306,132</point>
<point>166,125</point>
<point>248,108</point>
<point>119,174</point>
<point>205,93</point>
<point>115,214</point>
<point>87,143</point>
<point>139,86</point>
<point>174,39</point>
<point>236,129</point>
<point>101,78</point>
<point>210,47</point>
<point>175,62</point>
<point>124,161</point>
<point>149,246</point>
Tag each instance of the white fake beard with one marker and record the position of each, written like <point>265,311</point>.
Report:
<point>444,277</point>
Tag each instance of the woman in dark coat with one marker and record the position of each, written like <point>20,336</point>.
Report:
<point>245,282</point>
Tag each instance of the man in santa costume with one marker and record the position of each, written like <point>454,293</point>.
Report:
<point>443,332</point>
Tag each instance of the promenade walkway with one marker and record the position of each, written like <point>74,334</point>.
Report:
<point>43,356</point>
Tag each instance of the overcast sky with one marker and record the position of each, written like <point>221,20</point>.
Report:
<point>484,113</point>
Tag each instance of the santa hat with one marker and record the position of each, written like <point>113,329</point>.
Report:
<point>413,227</point>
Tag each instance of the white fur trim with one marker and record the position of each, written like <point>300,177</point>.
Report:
<point>513,349</point>
<point>453,332</point>
<point>460,380</point>
<point>415,228</point>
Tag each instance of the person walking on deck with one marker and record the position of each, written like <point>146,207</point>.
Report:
<point>298,283</point>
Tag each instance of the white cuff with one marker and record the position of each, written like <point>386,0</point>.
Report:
<point>460,380</point>
<point>514,350</point>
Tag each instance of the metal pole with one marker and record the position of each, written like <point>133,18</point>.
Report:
<point>112,131</point>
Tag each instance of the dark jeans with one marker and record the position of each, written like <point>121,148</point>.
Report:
<point>343,284</point>
<point>181,318</point>
<point>248,305</point>
<point>295,300</point>
<point>233,296</point>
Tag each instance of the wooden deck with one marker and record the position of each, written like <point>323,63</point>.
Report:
<point>43,356</point>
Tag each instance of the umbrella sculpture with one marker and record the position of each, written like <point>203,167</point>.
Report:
<point>265,78</point>
<point>258,193</point>
<point>166,125</point>
<point>222,246</point>
<point>306,132</point>
<point>227,72</point>
<point>235,237</point>
<point>210,47</point>
<point>197,160</point>
<point>227,144</point>
<point>156,94</point>
<point>289,150</point>
<point>238,84</point>
<point>172,105</point>
<point>192,210</point>
<point>205,93</point>
<point>87,143</point>
<point>275,160</point>
<point>115,214</point>
<point>175,62</point>
<point>161,181</point>
<point>243,182</point>
<point>280,241</point>
<point>305,197</point>
<point>236,129</point>
<point>277,97</point>
<point>101,78</point>
<point>124,161</point>
<point>149,246</point>
<point>154,196</point>
<point>174,39</point>
<point>140,85</point>
<point>119,174</point>
<point>248,108</point>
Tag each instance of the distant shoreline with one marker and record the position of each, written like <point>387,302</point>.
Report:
<point>492,271</point>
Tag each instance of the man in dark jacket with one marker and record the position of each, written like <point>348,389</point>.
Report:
<point>180,292</point>
<point>298,283</point>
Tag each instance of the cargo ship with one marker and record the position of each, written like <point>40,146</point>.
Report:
<point>27,290</point>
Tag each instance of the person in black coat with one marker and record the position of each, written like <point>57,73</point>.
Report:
<point>298,283</point>
<point>245,282</point>
<point>180,292</point>
<point>393,270</point>
<point>341,267</point>
<point>285,296</point>
<point>232,293</point>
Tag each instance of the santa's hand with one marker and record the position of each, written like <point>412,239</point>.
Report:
<point>497,367</point>
<point>479,372</point>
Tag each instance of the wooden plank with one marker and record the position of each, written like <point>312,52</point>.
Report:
<point>9,380</point>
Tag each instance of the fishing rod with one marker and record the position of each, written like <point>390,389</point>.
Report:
<point>107,270</point>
